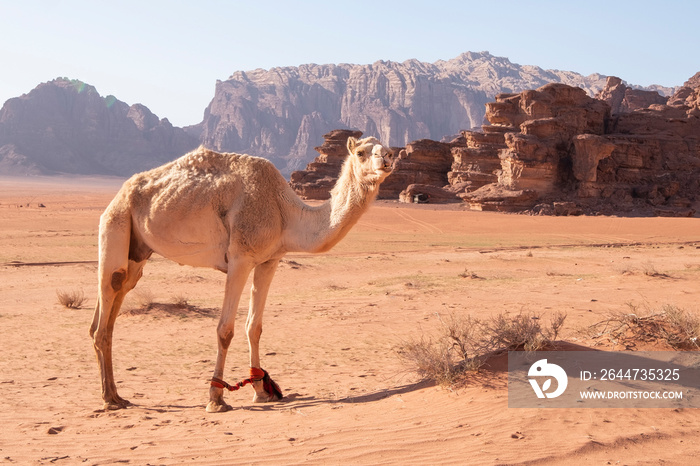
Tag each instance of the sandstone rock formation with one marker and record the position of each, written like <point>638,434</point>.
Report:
<point>281,113</point>
<point>624,99</point>
<point>65,126</point>
<point>688,96</point>
<point>626,151</point>
<point>422,165</point>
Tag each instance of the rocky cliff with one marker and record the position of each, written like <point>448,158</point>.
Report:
<point>65,126</point>
<point>282,113</point>
<point>627,151</point>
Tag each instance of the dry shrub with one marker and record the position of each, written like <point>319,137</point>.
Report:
<point>465,342</point>
<point>524,331</point>
<point>144,298</point>
<point>72,299</point>
<point>431,360</point>
<point>470,275</point>
<point>684,328</point>
<point>180,301</point>
<point>678,328</point>
<point>650,271</point>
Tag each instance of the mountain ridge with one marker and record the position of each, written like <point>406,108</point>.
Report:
<point>281,113</point>
<point>397,101</point>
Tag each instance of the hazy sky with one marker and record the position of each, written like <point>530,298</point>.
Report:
<point>168,55</point>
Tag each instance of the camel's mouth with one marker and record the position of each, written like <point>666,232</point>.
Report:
<point>382,161</point>
<point>384,167</point>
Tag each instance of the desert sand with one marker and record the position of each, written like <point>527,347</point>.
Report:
<point>333,324</point>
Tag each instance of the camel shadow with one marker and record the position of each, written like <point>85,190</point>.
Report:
<point>296,400</point>
<point>181,310</point>
<point>290,401</point>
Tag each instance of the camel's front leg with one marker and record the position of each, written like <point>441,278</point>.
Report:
<point>258,294</point>
<point>237,275</point>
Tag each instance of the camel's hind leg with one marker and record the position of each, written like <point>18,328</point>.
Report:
<point>117,275</point>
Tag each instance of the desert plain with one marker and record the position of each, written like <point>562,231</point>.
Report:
<point>332,327</point>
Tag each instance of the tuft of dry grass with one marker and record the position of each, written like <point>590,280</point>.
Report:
<point>649,270</point>
<point>144,298</point>
<point>465,342</point>
<point>140,298</point>
<point>180,301</point>
<point>470,275</point>
<point>72,299</point>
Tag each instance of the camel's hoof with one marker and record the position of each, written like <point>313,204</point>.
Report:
<point>217,407</point>
<point>265,398</point>
<point>114,405</point>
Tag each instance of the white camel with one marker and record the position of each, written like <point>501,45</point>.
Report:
<point>235,213</point>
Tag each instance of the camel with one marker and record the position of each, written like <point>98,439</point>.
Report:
<point>231,212</point>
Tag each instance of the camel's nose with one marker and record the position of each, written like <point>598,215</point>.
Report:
<point>389,160</point>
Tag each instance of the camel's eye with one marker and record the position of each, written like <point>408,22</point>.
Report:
<point>360,153</point>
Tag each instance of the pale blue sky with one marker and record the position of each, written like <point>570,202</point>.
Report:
<point>168,55</point>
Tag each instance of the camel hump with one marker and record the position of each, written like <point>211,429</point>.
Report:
<point>207,161</point>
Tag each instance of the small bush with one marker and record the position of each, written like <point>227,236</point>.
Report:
<point>464,343</point>
<point>523,331</point>
<point>672,325</point>
<point>144,298</point>
<point>180,301</point>
<point>71,299</point>
<point>432,360</point>
<point>468,274</point>
<point>650,271</point>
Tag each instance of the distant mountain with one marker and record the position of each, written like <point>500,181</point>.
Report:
<point>65,126</point>
<point>282,113</point>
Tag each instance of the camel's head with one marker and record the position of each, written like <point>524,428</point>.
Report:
<point>373,159</point>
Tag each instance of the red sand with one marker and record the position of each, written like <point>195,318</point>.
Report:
<point>332,326</point>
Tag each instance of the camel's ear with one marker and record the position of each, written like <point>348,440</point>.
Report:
<point>352,144</point>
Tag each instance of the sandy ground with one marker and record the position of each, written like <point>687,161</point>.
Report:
<point>333,323</point>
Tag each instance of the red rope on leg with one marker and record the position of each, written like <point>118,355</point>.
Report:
<point>218,383</point>
<point>256,374</point>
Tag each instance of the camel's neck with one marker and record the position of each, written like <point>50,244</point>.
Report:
<point>318,229</point>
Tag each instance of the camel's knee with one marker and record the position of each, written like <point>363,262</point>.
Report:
<point>225,335</point>
<point>253,331</point>
<point>118,279</point>
<point>99,339</point>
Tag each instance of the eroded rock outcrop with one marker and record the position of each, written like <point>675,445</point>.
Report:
<point>539,127</point>
<point>420,163</point>
<point>630,151</point>
<point>623,99</point>
<point>423,163</point>
<point>688,96</point>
